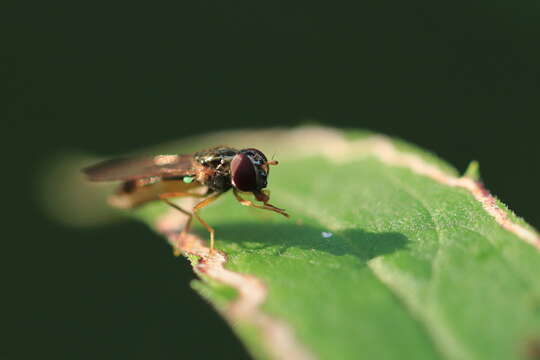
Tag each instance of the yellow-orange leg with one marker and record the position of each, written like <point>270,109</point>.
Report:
<point>165,197</point>
<point>265,206</point>
<point>198,207</point>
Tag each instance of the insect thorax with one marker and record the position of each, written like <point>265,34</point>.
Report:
<point>218,160</point>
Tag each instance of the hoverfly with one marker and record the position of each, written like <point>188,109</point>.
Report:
<point>163,177</point>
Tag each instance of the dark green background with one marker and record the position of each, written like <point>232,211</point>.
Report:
<point>459,78</point>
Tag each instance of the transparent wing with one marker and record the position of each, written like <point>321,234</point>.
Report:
<point>141,167</point>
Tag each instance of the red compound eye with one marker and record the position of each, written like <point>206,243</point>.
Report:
<point>243,173</point>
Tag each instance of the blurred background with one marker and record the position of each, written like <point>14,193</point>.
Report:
<point>459,78</point>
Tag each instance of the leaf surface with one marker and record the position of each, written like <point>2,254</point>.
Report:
<point>381,259</point>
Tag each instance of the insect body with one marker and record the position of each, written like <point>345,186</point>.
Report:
<point>163,177</point>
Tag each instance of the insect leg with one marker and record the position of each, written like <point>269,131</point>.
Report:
<point>198,207</point>
<point>187,226</point>
<point>264,206</point>
<point>169,195</point>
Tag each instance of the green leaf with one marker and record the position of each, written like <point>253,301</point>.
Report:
<point>388,254</point>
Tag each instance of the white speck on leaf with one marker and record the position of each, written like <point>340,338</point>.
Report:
<point>326,235</point>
